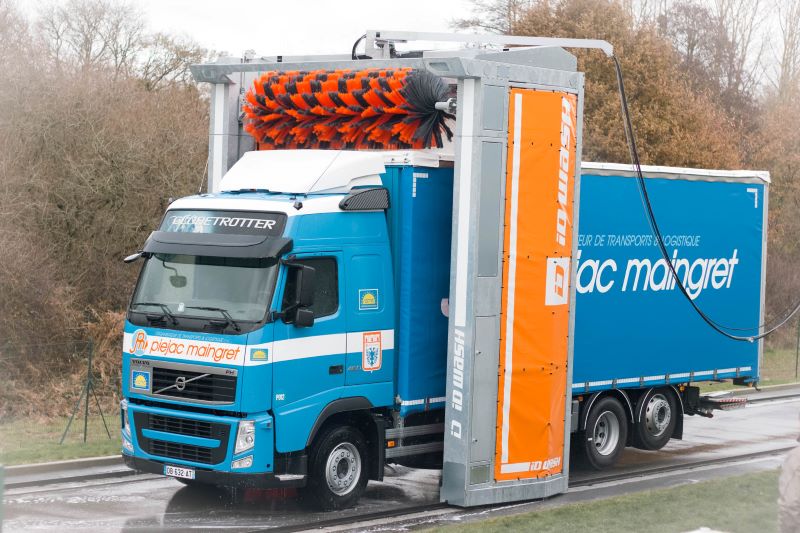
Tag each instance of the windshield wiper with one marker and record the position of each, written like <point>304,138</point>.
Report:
<point>164,310</point>
<point>223,312</point>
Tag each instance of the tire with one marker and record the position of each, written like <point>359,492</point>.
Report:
<point>657,412</point>
<point>606,433</point>
<point>338,468</point>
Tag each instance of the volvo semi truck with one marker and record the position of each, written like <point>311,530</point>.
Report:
<point>321,313</point>
<point>291,330</point>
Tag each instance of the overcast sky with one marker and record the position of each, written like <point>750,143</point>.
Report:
<point>291,27</point>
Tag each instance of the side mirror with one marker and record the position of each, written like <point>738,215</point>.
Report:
<point>303,318</point>
<point>305,286</point>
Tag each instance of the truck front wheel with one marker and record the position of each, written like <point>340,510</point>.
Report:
<point>338,468</point>
<point>606,433</point>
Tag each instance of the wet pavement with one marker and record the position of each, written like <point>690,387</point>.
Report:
<point>144,502</point>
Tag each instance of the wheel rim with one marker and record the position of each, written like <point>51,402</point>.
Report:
<point>343,468</point>
<point>606,433</point>
<point>657,415</point>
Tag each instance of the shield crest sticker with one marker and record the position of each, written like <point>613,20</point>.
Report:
<point>372,357</point>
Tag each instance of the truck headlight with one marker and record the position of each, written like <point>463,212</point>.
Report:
<point>245,436</point>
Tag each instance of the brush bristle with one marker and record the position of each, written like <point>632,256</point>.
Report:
<point>343,109</point>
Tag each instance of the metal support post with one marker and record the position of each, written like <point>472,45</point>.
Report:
<point>88,388</point>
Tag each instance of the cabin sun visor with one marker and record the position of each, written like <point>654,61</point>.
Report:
<point>220,234</point>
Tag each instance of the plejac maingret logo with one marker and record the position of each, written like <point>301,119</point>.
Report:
<point>138,342</point>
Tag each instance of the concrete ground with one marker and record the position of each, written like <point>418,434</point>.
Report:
<point>143,501</point>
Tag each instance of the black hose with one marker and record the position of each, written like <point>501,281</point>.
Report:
<point>355,46</point>
<point>631,138</point>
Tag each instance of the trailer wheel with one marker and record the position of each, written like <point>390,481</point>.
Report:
<point>606,433</point>
<point>338,468</point>
<point>657,419</point>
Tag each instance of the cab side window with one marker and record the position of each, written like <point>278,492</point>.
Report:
<point>326,286</point>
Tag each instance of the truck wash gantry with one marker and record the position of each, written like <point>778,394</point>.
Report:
<point>517,140</point>
<point>230,77</point>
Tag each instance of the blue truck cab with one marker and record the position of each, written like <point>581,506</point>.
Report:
<point>263,341</point>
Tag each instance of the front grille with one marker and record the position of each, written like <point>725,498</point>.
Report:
<point>216,388</point>
<point>181,426</point>
<point>185,452</point>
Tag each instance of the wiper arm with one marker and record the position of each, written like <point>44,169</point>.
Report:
<point>220,310</point>
<point>164,309</point>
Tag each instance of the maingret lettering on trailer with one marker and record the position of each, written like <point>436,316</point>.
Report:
<point>643,274</point>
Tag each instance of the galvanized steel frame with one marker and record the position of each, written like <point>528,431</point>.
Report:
<point>474,299</point>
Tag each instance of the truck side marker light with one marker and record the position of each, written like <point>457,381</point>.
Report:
<point>391,444</point>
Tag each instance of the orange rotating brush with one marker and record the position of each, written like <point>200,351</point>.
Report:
<point>343,109</point>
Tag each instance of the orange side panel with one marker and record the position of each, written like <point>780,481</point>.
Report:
<point>535,302</point>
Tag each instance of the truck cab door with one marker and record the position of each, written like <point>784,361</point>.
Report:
<point>370,312</point>
<point>311,360</point>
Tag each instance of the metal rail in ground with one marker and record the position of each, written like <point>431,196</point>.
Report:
<point>408,512</point>
<point>71,479</point>
<point>773,398</point>
<point>595,480</point>
<point>655,470</point>
<point>112,462</point>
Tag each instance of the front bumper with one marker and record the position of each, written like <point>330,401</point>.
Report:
<point>202,441</point>
<point>223,479</point>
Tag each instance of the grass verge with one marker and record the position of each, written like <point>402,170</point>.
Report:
<point>25,441</point>
<point>735,504</point>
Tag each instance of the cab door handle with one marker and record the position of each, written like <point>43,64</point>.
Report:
<point>336,369</point>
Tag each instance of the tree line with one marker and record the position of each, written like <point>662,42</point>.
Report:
<point>711,84</point>
<point>101,123</point>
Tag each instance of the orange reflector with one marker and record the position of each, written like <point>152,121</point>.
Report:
<point>391,444</point>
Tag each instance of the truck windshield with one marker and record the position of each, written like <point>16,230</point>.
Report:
<point>206,287</point>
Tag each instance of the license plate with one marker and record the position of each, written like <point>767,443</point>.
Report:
<point>179,471</point>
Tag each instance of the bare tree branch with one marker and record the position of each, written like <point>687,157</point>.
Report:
<point>789,66</point>
<point>496,16</point>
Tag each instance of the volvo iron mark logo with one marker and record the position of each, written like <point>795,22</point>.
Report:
<point>180,383</point>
